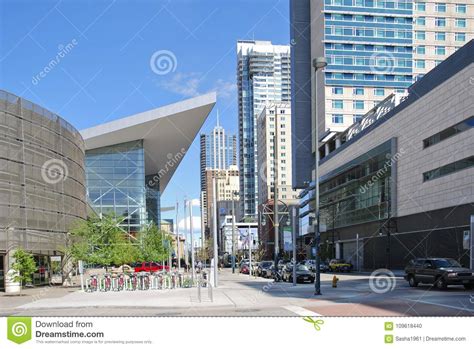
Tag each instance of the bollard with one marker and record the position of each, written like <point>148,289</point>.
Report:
<point>199,291</point>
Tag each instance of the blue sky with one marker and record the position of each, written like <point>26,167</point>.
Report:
<point>107,75</point>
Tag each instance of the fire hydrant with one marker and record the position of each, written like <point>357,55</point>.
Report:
<point>334,281</point>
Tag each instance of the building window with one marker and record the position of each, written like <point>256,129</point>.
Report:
<point>421,50</point>
<point>379,92</point>
<point>440,50</point>
<point>356,118</point>
<point>460,22</point>
<point>420,21</point>
<point>337,119</point>
<point>460,37</point>
<point>420,6</point>
<point>337,104</point>
<point>358,91</point>
<point>337,90</point>
<point>441,7</point>
<point>420,35</point>
<point>420,63</point>
<point>440,22</point>
<point>359,105</point>
<point>448,169</point>
<point>450,131</point>
<point>461,8</point>
<point>440,36</point>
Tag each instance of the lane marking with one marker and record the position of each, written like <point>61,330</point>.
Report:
<point>300,310</point>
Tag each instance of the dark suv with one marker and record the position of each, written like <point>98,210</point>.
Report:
<point>440,272</point>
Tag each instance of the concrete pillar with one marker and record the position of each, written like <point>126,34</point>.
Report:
<point>338,250</point>
<point>338,142</point>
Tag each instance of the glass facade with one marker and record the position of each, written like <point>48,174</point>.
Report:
<point>369,43</point>
<point>116,184</point>
<point>358,191</point>
<point>218,151</point>
<point>263,75</point>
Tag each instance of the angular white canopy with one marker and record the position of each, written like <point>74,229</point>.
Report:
<point>167,133</point>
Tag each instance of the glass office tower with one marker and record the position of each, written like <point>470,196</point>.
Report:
<point>117,184</point>
<point>263,75</point>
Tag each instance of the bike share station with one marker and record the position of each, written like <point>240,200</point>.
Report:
<point>144,281</point>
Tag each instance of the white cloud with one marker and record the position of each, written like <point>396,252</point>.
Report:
<point>186,85</point>
<point>190,85</point>
<point>225,89</point>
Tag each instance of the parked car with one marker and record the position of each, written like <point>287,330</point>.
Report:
<point>123,269</point>
<point>243,261</point>
<point>303,274</point>
<point>263,267</point>
<point>150,267</point>
<point>440,272</point>
<point>311,264</point>
<point>244,268</point>
<point>324,267</point>
<point>339,265</point>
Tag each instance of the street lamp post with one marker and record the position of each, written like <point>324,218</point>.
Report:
<point>178,253</point>
<point>318,64</point>
<point>214,230</point>
<point>191,230</point>
<point>233,233</point>
<point>276,219</point>
<point>293,225</point>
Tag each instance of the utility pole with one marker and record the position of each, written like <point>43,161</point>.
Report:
<point>190,203</point>
<point>178,255</point>
<point>185,231</point>
<point>233,234</point>
<point>276,219</point>
<point>293,221</point>
<point>318,63</point>
<point>214,230</point>
<point>250,237</point>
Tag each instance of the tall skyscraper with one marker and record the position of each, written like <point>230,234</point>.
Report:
<point>274,124</point>
<point>374,49</point>
<point>218,152</point>
<point>263,75</point>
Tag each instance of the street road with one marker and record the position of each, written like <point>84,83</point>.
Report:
<point>241,295</point>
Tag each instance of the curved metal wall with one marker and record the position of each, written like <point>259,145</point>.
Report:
<point>42,176</point>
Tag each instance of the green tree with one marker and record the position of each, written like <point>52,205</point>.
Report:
<point>155,245</point>
<point>102,241</point>
<point>24,266</point>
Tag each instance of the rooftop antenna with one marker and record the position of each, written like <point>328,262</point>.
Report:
<point>217,118</point>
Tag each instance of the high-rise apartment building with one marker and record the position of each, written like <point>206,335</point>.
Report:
<point>226,187</point>
<point>218,152</point>
<point>274,128</point>
<point>263,75</point>
<point>374,48</point>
